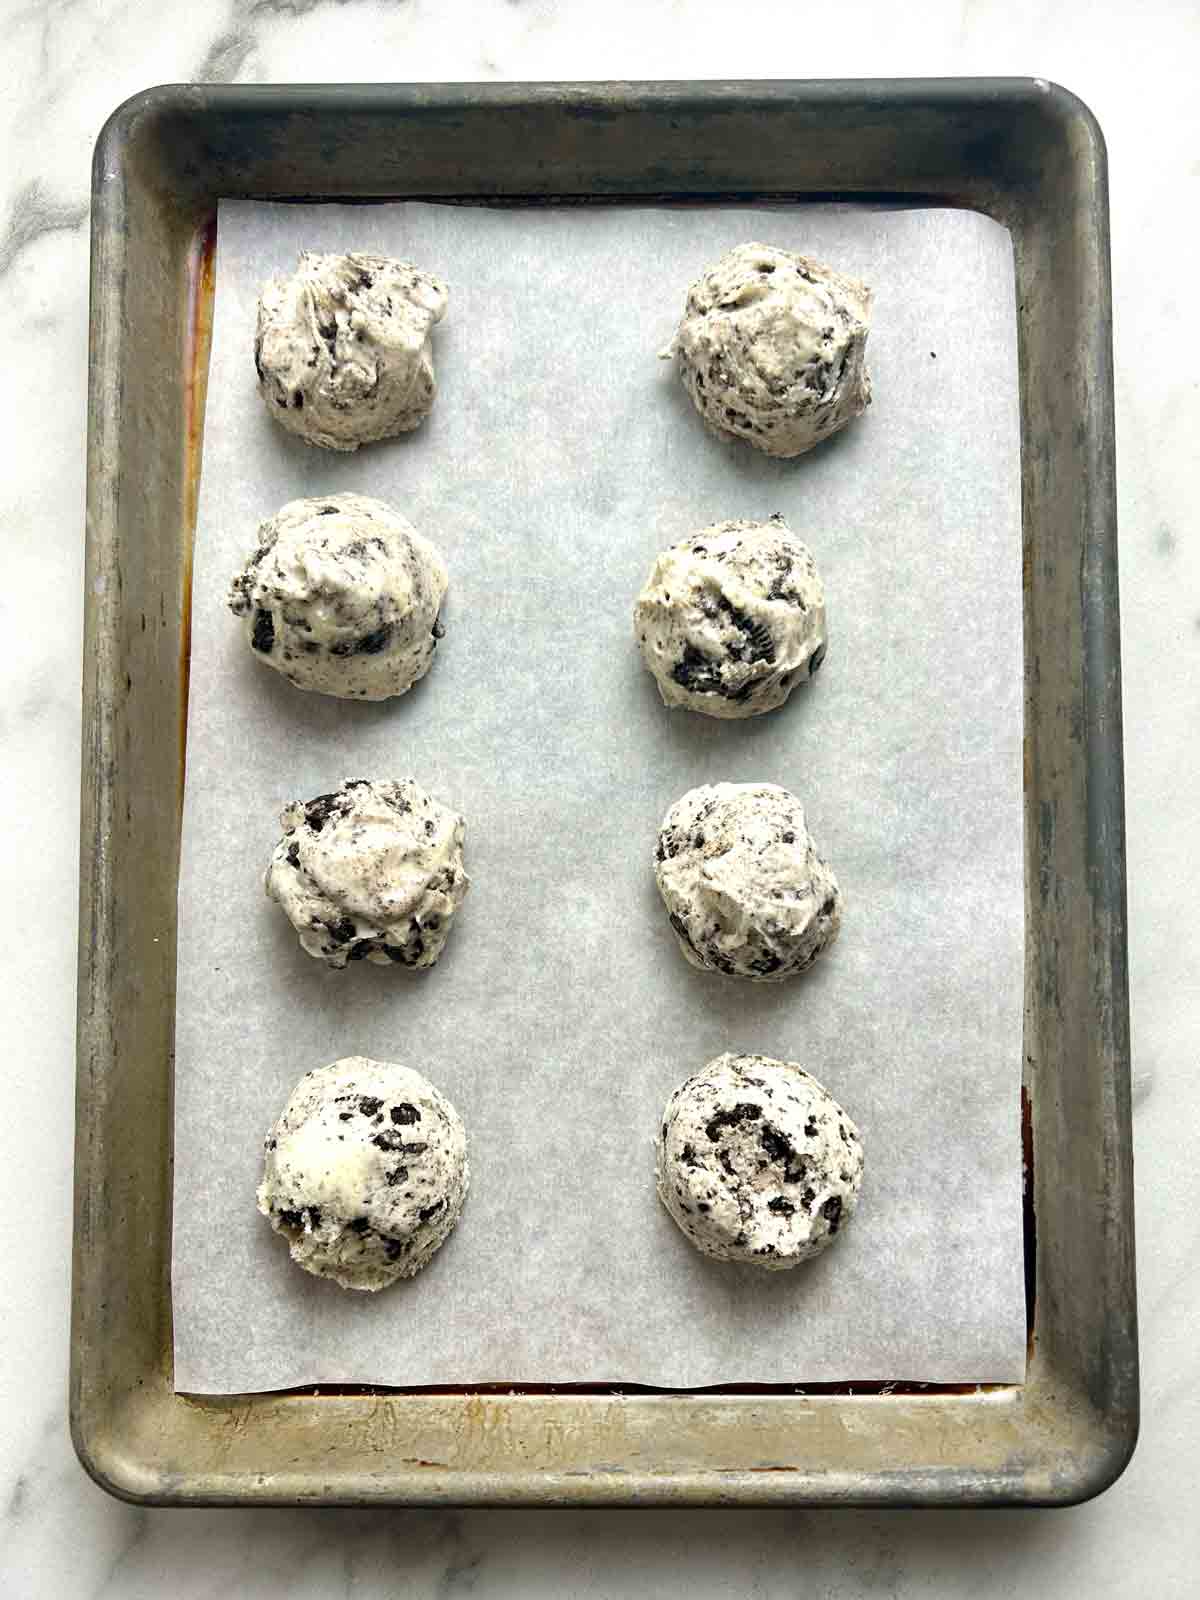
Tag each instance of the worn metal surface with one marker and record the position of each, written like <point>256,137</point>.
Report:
<point>1023,151</point>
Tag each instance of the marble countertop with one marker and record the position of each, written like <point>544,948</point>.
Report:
<point>66,64</point>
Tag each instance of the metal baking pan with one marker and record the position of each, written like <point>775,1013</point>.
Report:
<point>1026,153</point>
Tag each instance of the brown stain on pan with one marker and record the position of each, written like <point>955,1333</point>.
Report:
<point>1029,1223</point>
<point>869,1387</point>
<point>201,274</point>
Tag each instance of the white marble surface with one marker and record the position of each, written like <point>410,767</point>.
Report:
<point>65,64</point>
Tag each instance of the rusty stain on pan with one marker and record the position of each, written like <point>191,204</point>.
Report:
<point>200,280</point>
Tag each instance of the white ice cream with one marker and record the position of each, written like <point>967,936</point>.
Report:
<point>365,1172</point>
<point>732,619</point>
<point>772,349</point>
<point>745,889</point>
<point>757,1162</point>
<point>371,872</point>
<point>342,597</point>
<point>342,348</point>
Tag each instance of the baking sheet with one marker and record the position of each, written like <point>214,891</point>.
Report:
<point>559,458</point>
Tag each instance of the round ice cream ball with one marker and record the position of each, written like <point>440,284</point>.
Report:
<point>732,619</point>
<point>365,1172</point>
<point>342,596</point>
<point>372,872</point>
<point>744,887</point>
<point>342,348</point>
<point>772,349</point>
<point>757,1162</point>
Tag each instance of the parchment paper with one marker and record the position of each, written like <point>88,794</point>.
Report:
<point>561,455</point>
